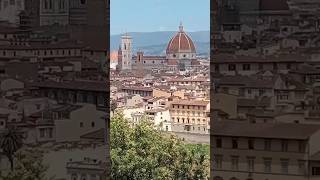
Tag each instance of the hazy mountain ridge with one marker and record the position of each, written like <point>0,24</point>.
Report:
<point>154,43</point>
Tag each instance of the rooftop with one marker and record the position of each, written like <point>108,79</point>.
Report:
<point>264,130</point>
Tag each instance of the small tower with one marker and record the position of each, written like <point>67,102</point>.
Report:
<point>126,54</point>
<point>119,65</point>
<point>140,62</point>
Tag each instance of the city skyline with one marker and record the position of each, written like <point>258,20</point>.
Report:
<point>157,20</point>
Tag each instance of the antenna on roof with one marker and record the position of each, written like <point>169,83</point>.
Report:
<point>180,27</point>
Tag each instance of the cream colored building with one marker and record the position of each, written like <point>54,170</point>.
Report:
<point>161,118</point>
<point>273,151</point>
<point>163,93</point>
<point>83,120</point>
<point>193,115</point>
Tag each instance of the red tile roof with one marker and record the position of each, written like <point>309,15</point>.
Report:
<point>180,42</point>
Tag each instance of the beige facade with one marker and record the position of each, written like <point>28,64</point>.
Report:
<point>191,114</point>
<point>83,120</point>
<point>226,103</point>
<point>162,93</point>
<point>264,151</point>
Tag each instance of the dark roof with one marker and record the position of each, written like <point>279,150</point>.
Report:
<point>273,5</point>
<point>138,88</point>
<point>59,45</point>
<point>226,58</point>
<point>96,135</point>
<point>264,130</point>
<point>245,81</point>
<point>191,102</point>
<point>99,86</point>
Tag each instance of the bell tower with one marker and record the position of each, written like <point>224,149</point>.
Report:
<point>126,53</point>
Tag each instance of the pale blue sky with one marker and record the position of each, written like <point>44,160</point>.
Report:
<point>158,15</point>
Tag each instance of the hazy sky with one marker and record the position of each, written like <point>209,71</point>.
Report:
<point>159,15</point>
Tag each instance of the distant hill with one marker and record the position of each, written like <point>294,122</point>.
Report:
<point>154,43</point>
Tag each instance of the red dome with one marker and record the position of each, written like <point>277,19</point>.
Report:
<point>181,42</point>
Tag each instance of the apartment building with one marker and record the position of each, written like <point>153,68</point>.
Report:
<point>88,168</point>
<point>160,117</point>
<point>249,65</point>
<point>264,151</point>
<point>193,115</point>
<point>92,92</point>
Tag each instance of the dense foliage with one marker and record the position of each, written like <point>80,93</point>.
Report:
<point>28,165</point>
<point>144,153</point>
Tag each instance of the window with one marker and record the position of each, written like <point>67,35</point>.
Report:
<point>5,5</point>
<point>83,177</point>
<point>12,2</point>
<point>219,143</point>
<point>260,66</point>
<point>216,68</point>
<point>42,132</point>
<point>234,162</point>
<point>232,67</point>
<point>83,1</point>
<point>246,67</point>
<point>267,165</point>
<point>275,66</point>
<point>218,161</point>
<point>250,161</point>
<point>74,177</point>
<point>284,166</point>
<point>93,177</point>
<point>81,124</point>
<point>50,133</point>
<point>288,66</point>
<point>302,167</point>
<point>315,171</point>
<point>250,144</point>
<point>234,143</point>
<point>267,144</point>
<point>167,128</point>
<point>19,3</point>
<point>92,124</point>
<point>45,4</point>
<point>284,145</point>
<point>302,146</point>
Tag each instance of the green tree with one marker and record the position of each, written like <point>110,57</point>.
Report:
<point>145,153</point>
<point>28,166</point>
<point>10,143</point>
